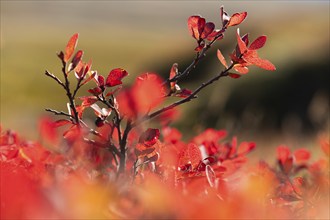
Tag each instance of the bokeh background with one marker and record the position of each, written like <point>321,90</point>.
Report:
<point>289,106</point>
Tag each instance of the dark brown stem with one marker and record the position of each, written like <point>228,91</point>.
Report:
<point>69,94</point>
<point>58,113</point>
<point>199,56</point>
<point>47,73</point>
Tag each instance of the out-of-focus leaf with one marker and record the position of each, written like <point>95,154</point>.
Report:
<point>301,155</point>
<point>245,147</point>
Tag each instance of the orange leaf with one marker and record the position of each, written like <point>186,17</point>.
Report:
<point>196,26</point>
<point>241,44</point>
<point>245,147</point>
<point>237,18</point>
<point>70,47</point>
<point>264,64</point>
<point>221,58</point>
<point>258,43</point>
<point>241,69</point>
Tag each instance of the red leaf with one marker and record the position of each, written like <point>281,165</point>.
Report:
<point>258,43</point>
<point>237,18</point>
<point>173,73</point>
<point>149,137</point>
<point>208,29</point>
<point>95,91</point>
<point>88,100</point>
<point>190,155</point>
<point>78,70</point>
<point>196,26</point>
<point>234,75</point>
<point>70,47</point>
<point>221,58</point>
<point>92,76</point>
<point>100,80</point>
<point>241,44</point>
<point>283,153</point>
<point>245,147</point>
<point>215,33</point>
<point>301,155</point>
<point>47,129</point>
<point>62,122</point>
<point>264,64</point>
<point>115,76</point>
<point>184,93</point>
<point>75,60</point>
<point>147,92</point>
<point>241,69</point>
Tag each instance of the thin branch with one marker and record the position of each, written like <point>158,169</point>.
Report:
<point>47,73</point>
<point>59,113</point>
<point>199,56</point>
<point>187,99</point>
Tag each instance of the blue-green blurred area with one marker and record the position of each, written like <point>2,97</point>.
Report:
<point>291,103</point>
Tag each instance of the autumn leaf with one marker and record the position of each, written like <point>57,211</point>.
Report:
<point>76,60</point>
<point>245,147</point>
<point>70,47</point>
<point>221,58</point>
<point>196,26</point>
<point>237,18</point>
<point>301,155</point>
<point>241,44</point>
<point>115,76</point>
<point>149,137</point>
<point>258,43</point>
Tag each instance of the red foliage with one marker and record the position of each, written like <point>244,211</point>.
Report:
<point>119,169</point>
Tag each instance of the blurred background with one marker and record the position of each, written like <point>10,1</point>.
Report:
<point>289,106</point>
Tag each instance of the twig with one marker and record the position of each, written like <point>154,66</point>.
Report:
<point>47,73</point>
<point>187,99</point>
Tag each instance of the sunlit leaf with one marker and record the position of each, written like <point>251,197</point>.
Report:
<point>241,44</point>
<point>258,43</point>
<point>237,18</point>
<point>70,47</point>
<point>221,58</point>
<point>115,76</point>
<point>196,26</point>
<point>241,69</point>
